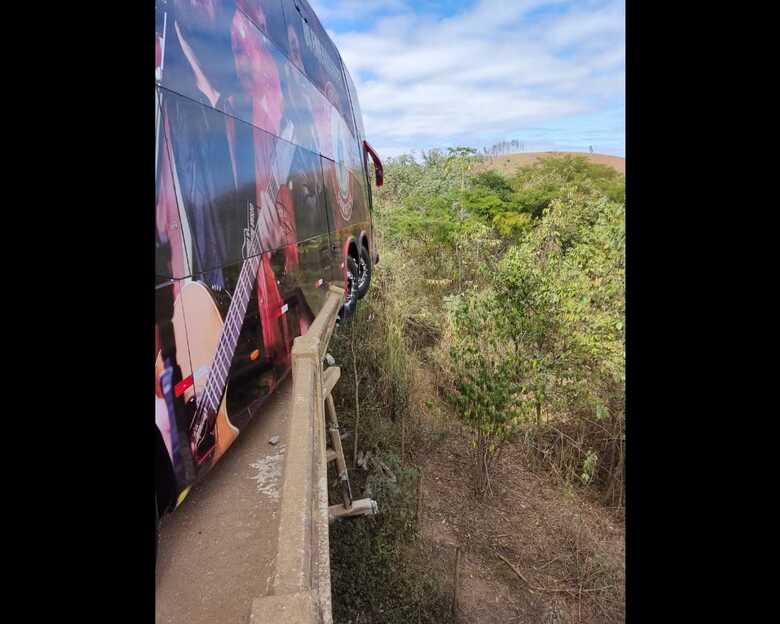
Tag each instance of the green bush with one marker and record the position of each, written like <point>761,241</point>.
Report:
<point>523,279</point>
<point>540,255</point>
<point>372,577</point>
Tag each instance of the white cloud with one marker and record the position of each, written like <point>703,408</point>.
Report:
<point>346,9</point>
<point>487,72</point>
<point>581,26</point>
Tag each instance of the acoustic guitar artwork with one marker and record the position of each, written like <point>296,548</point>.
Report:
<point>213,339</point>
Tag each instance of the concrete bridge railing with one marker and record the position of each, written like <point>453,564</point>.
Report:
<point>301,586</point>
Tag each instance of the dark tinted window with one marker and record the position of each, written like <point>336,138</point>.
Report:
<point>355,106</point>
<point>198,58</point>
<point>172,257</point>
<point>268,16</point>
<point>308,195</point>
<point>311,50</point>
<point>338,190</point>
<point>360,200</point>
<point>233,179</point>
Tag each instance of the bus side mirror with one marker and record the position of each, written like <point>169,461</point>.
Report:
<point>380,172</point>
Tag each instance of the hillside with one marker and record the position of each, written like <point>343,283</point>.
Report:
<point>483,397</point>
<point>508,163</point>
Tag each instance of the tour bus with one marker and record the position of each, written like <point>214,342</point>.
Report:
<point>262,201</point>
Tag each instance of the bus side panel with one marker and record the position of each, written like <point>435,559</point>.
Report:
<point>310,269</point>
<point>347,209</point>
<point>244,192</point>
<point>240,132</point>
<point>236,312</point>
<point>172,265</point>
<point>346,192</point>
<point>363,157</point>
<point>228,63</point>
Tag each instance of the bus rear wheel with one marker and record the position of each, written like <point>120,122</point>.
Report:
<point>364,272</point>
<point>351,295</point>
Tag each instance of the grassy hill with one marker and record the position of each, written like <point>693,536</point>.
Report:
<point>508,163</point>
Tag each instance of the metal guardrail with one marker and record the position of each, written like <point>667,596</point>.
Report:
<point>301,586</point>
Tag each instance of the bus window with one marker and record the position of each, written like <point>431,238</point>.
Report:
<point>232,180</point>
<point>313,52</point>
<point>173,243</point>
<point>339,190</point>
<point>198,57</point>
<point>361,133</point>
<point>268,16</point>
<point>308,194</point>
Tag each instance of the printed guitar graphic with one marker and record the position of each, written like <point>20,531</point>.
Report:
<point>196,314</point>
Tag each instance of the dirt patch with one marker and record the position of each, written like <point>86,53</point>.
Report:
<point>568,550</point>
<point>508,163</point>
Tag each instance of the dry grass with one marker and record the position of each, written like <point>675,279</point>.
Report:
<point>570,550</point>
<point>568,546</point>
<point>507,164</point>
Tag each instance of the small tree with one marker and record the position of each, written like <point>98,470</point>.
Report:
<point>486,394</point>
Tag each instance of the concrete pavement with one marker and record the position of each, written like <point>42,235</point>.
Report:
<point>217,551</point>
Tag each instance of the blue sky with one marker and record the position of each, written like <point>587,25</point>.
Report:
<point>549,73</point>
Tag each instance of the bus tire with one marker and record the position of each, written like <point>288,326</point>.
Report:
<point>350,296</point>
<point>365,269</point>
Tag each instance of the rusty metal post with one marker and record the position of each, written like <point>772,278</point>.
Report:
<point>335,440</point>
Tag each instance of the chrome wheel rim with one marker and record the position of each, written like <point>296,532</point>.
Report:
<point>352,288</point>
<point>362,273</point>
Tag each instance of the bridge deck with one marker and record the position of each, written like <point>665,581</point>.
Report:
<point>218,549</point>
<point>249,545</point>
